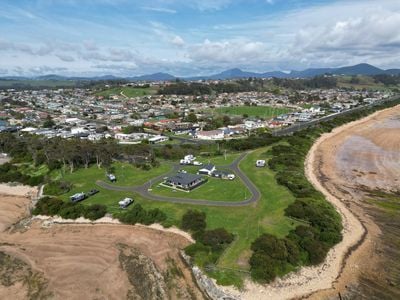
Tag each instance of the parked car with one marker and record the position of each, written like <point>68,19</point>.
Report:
<point>231,176</point>
<point>112,177</point>
<point>92,192</point>
<point>125,203</point>
<point>197,163</point>
<point>260,163</point>
<point>78,197</point>
<point>182,171</point>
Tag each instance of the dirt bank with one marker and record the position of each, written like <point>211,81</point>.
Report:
<point>85,261</point>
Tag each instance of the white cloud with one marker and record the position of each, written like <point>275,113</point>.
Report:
<point>228,53</point>
<point>178,41</point>
<point>160,9</point>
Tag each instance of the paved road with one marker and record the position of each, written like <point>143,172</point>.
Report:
<point>143,190</point>
<point>300,126</point>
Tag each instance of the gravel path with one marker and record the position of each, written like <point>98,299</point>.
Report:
<point>143,190</point>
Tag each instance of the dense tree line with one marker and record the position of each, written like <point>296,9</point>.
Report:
<point>387,79</point>
<point>197,89</point>
<point>69,153</point>
<point>318,82</point>
<point>53,206</point>
<point>137,214</point>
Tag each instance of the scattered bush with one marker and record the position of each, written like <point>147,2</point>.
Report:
<point>194,221</point>
<point>50,206</point>
<point>95,211</point>
<point>137,214</point>
<point>57,188</point>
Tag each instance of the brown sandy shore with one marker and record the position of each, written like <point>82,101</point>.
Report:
<point>41,259</point>
<point>326,168</point>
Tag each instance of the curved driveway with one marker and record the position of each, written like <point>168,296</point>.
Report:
<point>143,190</point>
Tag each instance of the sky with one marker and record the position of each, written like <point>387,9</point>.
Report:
<point>194,37</point>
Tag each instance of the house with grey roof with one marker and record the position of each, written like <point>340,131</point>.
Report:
<point>185,181</point>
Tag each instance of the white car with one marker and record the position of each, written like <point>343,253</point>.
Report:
<point>231,176</point>
<point>197,163</point>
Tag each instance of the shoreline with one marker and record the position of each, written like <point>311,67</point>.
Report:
<point>308,281</point>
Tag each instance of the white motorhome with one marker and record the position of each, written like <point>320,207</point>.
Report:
<point>125,203</point>
<point>78,197</point>
<point>260,163</point>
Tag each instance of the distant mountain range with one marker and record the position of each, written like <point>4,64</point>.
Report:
<point>360,69</point>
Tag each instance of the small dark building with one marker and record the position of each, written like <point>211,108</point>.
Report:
<point>185,181</point>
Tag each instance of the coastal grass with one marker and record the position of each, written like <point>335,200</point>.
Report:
<point>265,112</point>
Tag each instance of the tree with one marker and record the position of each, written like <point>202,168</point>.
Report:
<point>217,238</point>
<point>194,221</point>
<point>48,123</point>
<point>191,117</point>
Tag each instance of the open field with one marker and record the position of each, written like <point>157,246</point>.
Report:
<point>362,82</point>
<point>127,92</point>
<point>253,111</point>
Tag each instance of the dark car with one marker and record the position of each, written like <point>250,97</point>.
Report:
<point>92,192</point>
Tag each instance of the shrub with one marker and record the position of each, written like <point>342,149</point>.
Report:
<point>58,187</point>
<point>194,221</point>
<point>48,206</point>
<point>94,211</point>
<point>71,210</point>
<point>137,214</point>
<point>217,238</point>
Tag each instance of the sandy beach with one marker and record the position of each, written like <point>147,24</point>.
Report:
<point>322,279</point>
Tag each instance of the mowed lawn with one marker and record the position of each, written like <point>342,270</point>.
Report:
<point>84,180</point>
<point>214,189</point>
<point>220,160</point>
<point>247,222</point>
<point>127,92</point>
<point>253,111</point>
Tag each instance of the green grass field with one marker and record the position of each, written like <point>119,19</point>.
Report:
<point>128,92</point>
<point>220,160</point>
<point>127,175</point>
<point>214,189</point>
<point>247,223</point>
<point>253,111</point>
